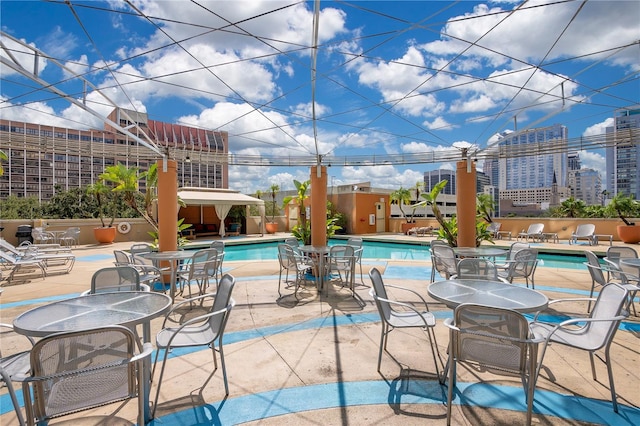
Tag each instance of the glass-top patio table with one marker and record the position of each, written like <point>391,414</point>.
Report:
<point>488,293</point>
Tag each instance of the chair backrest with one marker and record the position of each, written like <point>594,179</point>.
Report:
<point>81,363</point>
<point>535,228</point>
<point>122,258</point>
<point>116,278</point>
<point>356,243</point>
<point>140,248</point>
<point>585,230</point>
<point>340,251</point>
<point>524,262</point>
<point>615,253</point>
<point>203,263</point>
<point>8,257</point>
<point>218,245</point>
<point>443,259</point>
<point>493,337</point>
<point>594,267</point>
<point>477,268</point>
<point>516,247</point>
<point>610,304</point>
<point>223,299</point>
<point>292,241</point>
<point>494,227</point>
<point>438,242</point>
<point>380,294</point>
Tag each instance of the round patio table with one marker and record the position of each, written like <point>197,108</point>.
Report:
<point>127,308</point>
<point>488,293</point>
<point>174,257</point>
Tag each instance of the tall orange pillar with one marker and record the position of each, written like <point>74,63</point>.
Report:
<point>318,206</point>
<point>466,203</point>
<point>167,205</point>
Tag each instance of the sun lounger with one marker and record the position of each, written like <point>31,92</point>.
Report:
<point>24,269</point>
<point>54,263</point>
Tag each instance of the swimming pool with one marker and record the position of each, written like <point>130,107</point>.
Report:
<point>384,250</point>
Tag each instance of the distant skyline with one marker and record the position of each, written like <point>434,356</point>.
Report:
<point>392,76</point>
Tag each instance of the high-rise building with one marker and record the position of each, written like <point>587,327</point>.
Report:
<point>623,153</point>
<point>586,185</point>
<point>44,159</point>
<point>531,158</point>
<point>431,178</point>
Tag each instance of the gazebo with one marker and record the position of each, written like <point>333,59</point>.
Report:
<point>221,200</point>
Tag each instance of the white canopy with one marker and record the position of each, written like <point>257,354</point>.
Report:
<point>221,199</point>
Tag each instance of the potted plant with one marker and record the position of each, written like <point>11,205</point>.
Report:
<point>626,206</point>
<point>272,227</point>
<point>106,233</point>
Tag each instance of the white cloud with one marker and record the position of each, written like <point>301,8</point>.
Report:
<point>593,160</point>
<point>598,128</point>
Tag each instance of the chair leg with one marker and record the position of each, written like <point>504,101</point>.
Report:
<point>14,399</point>
<point>611,384</point>
<point>164,362</point>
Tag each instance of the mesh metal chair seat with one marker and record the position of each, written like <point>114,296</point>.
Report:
<point>14,367</point>
<point>204,330</point>
<point>443,260</point>
<point>80,370</point>
<point>493,338</point>
<point>395,314</point>
<point>590,334</point>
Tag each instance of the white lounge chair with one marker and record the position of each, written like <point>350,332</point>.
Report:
<point>534,232</point>
<point>585,231</point>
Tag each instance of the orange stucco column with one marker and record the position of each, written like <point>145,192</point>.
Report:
<point>466,203</point>
<point>318,206</point>
<point>167,205</point>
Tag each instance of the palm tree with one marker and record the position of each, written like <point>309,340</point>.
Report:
<point>485,206</point>
<point>448,229</point>
<point>274,190</point>
<point>125,181</point>
<point>572,207</point>
<point>403,197</point>
<point>419,185</point>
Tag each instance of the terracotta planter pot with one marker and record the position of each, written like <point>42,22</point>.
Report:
<point>105,235</point>
<point>629,234</point>
<point>271,227</point>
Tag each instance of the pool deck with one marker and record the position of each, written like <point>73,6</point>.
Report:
<point>313,360</point>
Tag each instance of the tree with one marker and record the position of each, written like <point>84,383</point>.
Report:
<point>302,230</point>
<point>401,196</point>
<point>125,181</point>
<point>572,208</point>
<point>419,185</point>
<point>448,229</point>
<point>624,206</point>
<point>274,191</point>
<point>485,206</point>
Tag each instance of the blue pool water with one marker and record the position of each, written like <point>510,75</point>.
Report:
<point>382,250</point>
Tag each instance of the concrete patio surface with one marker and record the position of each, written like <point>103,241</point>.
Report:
<point>312,360</point>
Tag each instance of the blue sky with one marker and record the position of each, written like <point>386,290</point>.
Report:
<point>393,77</point>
